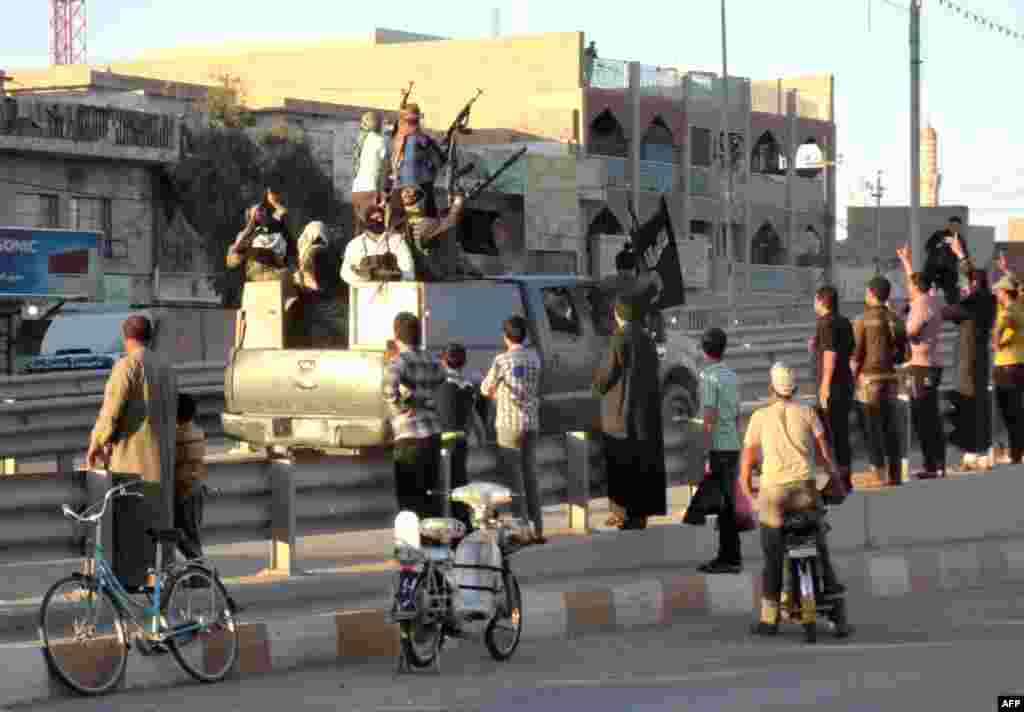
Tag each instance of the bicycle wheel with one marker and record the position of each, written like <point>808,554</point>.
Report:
<point>201,627</point>
<point>506,628</point>
<point>83,635</point>
<point>421,637</point>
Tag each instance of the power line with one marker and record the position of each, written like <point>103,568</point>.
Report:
<point>981,20</point>
<point>965,14</point>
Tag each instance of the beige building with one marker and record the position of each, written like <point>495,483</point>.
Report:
<point>551,211</point>
<point>1015,230</point>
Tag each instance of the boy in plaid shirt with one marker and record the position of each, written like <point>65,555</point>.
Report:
<point>410,382</point>
<point>514,383</point>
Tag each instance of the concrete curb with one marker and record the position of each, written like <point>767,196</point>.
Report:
<point>352,637</point>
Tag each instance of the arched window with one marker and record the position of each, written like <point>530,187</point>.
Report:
<point>606,136</point>
<point>766,247</point>
<point>766,154</point>
<point>658,144</point>
<point>605,223</point>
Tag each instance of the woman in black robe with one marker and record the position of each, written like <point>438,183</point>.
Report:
<point>976,314</point>
<point>628,385</point>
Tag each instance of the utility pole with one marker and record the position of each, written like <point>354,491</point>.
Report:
<point>726,162</point>
<point>877,190</point>
<point>915,134</point>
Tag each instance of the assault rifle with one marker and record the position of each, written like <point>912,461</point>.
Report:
<point>461,123</point>
<point>484,185</point>
<point>450,149</point>
<point>405,95</point>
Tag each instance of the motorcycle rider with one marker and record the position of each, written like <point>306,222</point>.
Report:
<point>782,437</point>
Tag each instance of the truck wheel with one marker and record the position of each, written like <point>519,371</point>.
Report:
<point>677,406</point>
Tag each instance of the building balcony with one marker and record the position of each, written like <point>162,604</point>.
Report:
<point>84,131</point>
<point>666,82</point>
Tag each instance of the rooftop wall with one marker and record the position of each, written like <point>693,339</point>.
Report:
<point>531,82</point>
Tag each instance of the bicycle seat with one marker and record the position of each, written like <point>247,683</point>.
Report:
<point>172,536</point>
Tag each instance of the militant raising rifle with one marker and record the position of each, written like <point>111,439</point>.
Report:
<point>450,148</point>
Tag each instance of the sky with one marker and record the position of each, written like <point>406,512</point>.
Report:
<point>970,75</point>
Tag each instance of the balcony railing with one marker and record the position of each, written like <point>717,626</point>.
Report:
<point>661,81</point>
<point>32,117</point>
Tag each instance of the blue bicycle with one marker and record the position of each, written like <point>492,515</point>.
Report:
<point>85,618</point>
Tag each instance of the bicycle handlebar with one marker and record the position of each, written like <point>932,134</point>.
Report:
<point>112,493</point>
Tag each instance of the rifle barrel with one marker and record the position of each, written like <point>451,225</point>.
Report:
<point>477,189</point>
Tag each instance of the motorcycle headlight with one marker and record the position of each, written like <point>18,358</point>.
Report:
<point>662,351</point>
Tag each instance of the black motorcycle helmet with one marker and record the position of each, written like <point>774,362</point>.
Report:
<point>713,342</point>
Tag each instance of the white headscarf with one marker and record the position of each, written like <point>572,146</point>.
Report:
<point>313,233</point>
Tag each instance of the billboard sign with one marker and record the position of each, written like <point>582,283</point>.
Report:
<point>42,263</point>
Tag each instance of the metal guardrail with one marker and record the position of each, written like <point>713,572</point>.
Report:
<point>278,500</point>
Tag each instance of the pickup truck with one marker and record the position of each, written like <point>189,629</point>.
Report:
<point>331,399</point>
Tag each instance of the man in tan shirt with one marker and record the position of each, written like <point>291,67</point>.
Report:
<point>134,435</point>
<point>782,437</point>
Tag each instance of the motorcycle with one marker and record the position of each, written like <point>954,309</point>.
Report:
<point>803,598</point>
<point>457,585</point>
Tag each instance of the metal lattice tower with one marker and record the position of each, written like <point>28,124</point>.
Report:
<point>67,32</point>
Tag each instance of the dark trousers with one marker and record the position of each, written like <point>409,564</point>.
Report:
<point>460,477</point>
<point>517,460</point>
<point>924,409</point>
<point>134,550</point>
<point>838,418</point>
<point>883,429</point>
<point>1009,382</point>
<point>725,470</point>
<point>417,465</point>
<point>188,518</point>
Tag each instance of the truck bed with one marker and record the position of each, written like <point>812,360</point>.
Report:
<point>326,398</point>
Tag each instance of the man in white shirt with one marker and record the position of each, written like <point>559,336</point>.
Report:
<point>374,242</point>
<point>368,168</point>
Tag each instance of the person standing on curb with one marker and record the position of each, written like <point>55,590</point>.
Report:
<point>783,437</point>
<point>878,335</point>
<point>975,314</point>
<point>924,328</point>
<point>409,389</point>
<point>513,381</point>
<point>1008,377</point>
<point>834,345</point>
<point>189,474</point>
<point>627,383</point>
<point>720,408</point>
<point>135,435</point>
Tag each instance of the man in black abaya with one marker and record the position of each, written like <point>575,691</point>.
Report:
<point>628,385</point>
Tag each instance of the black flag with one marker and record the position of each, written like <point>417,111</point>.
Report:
<point>654,244</point>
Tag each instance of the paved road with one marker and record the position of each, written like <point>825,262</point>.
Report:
<point>930,653</point>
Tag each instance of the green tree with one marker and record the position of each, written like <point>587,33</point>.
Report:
<point>225,172</point>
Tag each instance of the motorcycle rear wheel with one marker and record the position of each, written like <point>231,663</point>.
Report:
<point>421,636</point>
